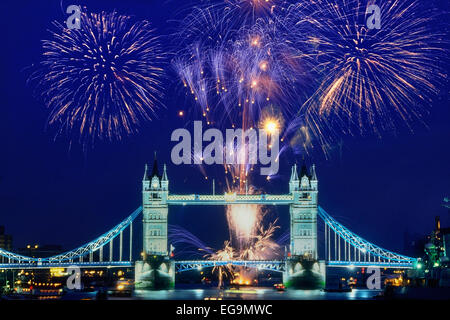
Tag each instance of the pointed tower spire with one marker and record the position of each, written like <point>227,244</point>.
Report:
<point>313,172</point>
<point>165,179</point>
<point>295,174</point>
<point>155,171</point>
<point>145,173</point>
<point>303,170</point>
<point>164,176</point>
<point>293,183</point>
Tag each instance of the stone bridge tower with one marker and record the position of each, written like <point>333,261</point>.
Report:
<point>303,269</point>
<point>155,189</point>
<point>303,212</point>
<point>156,270</point>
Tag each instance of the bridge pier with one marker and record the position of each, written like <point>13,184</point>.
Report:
<point>155,272</point>
<point>305,274</point>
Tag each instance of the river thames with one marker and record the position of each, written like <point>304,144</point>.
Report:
<point>253,293</point>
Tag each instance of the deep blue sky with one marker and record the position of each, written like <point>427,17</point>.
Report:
<point>50,194</point>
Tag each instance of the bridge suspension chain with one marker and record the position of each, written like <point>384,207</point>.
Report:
<point>363,250</point>
<point>87,250</point>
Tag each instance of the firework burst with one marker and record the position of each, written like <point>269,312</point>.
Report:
<point>233,75</point>
<point>248,233</point>
<point>102,80</point>
<point>225,254</point>
<point>262,247</point>
<point>249,11</point>
<point>315,59</point>
<point>371,79</point>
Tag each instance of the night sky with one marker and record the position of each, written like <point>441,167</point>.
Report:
<point>54,193</point>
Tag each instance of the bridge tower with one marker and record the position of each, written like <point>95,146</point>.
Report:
<point>303,212</point>
<point>155,189</point>
<point>302,266</point>
<point>156,270</point>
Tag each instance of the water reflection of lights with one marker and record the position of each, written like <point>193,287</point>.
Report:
<point>254,293</point>
<point>199,293</point>
<point>236,290</point>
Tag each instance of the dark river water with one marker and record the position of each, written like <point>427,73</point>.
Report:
<point>253,293</point>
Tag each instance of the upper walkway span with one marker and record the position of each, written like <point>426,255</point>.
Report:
<point>230,198</point>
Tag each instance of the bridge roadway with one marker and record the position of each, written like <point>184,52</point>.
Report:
<point>46,265</point>
<point>186,265</point>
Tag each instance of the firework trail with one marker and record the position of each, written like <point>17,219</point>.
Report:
<point>102,80</point>
<point>225,254</point>
<point>369,79</point>
<point>234,74</point>
<point>243,220</point>
<point>250,240</point>
<point>206,26</point>
<point>213,21</point>
<point>249,11</point>
<point>283,240</point>
<point>262,247</point>
<point>355,79</point>
<point>187,243</point>
<point>249,237</point>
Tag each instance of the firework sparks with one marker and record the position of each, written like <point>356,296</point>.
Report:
<point>369,78</point>
<point>317,59</point>
<point>103,79</point>
<point>248,11</point>
<point>243,219</point>
<point>236,71</point>
<point>271,126</point>
<point>225,254</point>
<point>235,74</point>
<point>262,247</point>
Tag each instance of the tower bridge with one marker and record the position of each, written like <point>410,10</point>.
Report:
<point>157,268</point>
